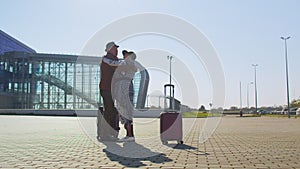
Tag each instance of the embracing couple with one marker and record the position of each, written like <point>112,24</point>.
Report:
<point>116,86</point>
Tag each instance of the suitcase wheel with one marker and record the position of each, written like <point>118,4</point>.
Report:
<point>180,142</point>
<point>164,142</point>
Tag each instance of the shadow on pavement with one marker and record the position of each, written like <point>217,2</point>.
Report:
<point>188,148</point>
<point>132,154</point>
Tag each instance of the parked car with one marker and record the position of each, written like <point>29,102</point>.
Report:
<point>298,112</point>
<point>276,112</point>
<point>292,111</point>
<point>262,112</point>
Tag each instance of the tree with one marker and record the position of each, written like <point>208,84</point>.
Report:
<point>233,108</point>
<point>202,108</point>
<point>295,103</point>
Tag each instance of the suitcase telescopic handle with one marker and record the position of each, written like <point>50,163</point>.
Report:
<point>172,100</point>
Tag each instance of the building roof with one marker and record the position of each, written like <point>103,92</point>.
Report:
<point>8,44</point>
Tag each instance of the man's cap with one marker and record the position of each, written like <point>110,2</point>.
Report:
<point>109,45</point>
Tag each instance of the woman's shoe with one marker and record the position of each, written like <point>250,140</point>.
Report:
<point>127,139</point>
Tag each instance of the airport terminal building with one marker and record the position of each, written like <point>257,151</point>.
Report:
<point>31,80</point>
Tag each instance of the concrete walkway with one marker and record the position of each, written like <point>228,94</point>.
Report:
<point>68,142</point>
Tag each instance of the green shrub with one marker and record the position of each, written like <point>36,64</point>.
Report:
<point>199,114</point>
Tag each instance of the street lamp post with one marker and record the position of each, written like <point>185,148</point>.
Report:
<point>255,86</point>
<point>241,103</point>
<point>159,100</point>
<point>248,94</point>
<point>287,76</point>
<point>170,58</point>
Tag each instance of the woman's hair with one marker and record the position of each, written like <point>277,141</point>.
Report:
<point>130,54</point>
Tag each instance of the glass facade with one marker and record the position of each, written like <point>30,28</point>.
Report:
<point>51,81</point>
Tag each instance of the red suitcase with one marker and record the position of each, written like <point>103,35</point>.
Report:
<point>170,120</point>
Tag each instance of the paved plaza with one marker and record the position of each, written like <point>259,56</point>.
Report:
<point>68,142</point>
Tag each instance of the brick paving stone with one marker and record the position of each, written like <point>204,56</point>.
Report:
<point>61,142</point>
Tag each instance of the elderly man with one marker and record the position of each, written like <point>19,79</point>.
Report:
<point>110,112</point>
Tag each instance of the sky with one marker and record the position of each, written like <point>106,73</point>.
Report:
<point>242,33</point>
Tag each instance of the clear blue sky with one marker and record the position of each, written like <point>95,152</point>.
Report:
<point>243,33</point>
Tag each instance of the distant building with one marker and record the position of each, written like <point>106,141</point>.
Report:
<point>30,80</point>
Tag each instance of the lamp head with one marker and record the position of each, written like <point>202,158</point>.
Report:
<point>285,38</point>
